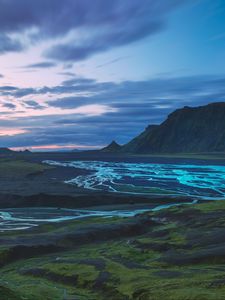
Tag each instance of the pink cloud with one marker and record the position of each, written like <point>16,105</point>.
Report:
<point>57,147</point>
<point>11,131</point>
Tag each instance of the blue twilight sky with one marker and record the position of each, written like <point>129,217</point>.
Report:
<point>79,73</point>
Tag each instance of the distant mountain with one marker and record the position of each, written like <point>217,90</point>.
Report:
<point>190,130</point>
<point>6,151</point>
<point>112,147</point>
<point>26,151</point>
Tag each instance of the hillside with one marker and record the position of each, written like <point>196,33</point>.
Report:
<point>171,254</point>
<point>186,130</point>
<point>112,147</point>
<point>4,150</point>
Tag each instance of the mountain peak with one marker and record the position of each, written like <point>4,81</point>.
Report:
<point>112,147</point>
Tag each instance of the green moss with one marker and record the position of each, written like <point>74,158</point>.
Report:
<point>211,206</point>
<point>125,250</point>
<point>84,272</point>
<point>177,238</point>
<point>15,168</point>
<point>4,252</point>
<point>7,294</point>
<point>127,279</point>
<point>136,271</point>
<point>125,283</point>
<point>31,288</point>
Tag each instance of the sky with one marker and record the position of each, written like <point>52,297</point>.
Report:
<point>77,74</point>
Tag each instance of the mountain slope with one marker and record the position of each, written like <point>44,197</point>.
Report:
<point>4,150</point>
<point>190,130</point>
<point>112,147</point>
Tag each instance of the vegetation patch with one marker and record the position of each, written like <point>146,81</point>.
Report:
<point>181,257</point>
<point>18,168</point>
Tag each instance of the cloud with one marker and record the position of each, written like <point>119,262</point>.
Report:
<point>8,44</point>
<point>93,113</point>
<point>8,88</point>
<point>113,61</point>
<point>9,105</point>
<point>33,104</point>
<point>77,81</point>
<point>159,92</point>
<point>127,23</point>
<point>11,131</point>
<point>69,74</point>
<point>21,92</point>
<point>41,65</point>
<point>165,92</point>
<point>1,76</point>
<point>84,27</point>
<point>75,85</point>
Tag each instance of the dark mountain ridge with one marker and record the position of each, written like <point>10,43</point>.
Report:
<point>186,130</point>
<point>4,150</point>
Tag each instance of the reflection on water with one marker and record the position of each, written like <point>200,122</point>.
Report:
<point>206,181</point>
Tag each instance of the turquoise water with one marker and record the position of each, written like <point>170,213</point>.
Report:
<point>205,181</point>
<point>12,219</point>
<point>25,218</point>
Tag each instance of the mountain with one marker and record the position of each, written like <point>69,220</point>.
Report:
<point>26,151</point>
<point>112,147</point>
<point>186,130</point>
<point>5,150</point>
